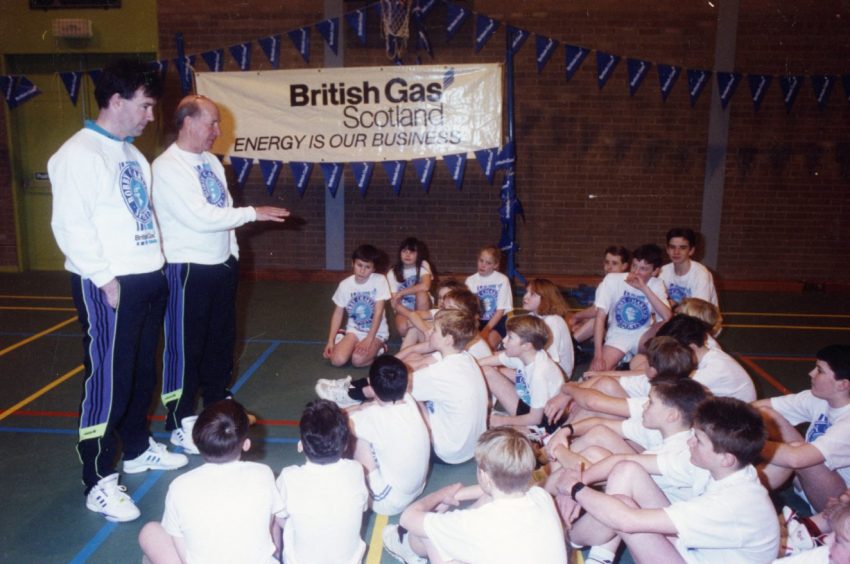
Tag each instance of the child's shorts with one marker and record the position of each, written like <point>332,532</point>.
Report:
<point>625,341</point>
<point>387,500</point>
<point>499,328</point>
<point>362,335</point>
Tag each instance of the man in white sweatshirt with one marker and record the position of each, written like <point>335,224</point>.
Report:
<point>198,222</point>
<point>103,223</point>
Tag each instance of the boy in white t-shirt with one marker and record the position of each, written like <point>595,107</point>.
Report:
<point>626,305</point>
<point>392,441</point>
<point>452,391</point>
<point>523,377</point>
<point>324,499</point>
<point>223,510</point>
<point>821,459</point>
<point>509,522</point>
<point>686,278</point>
<point>494,293</point>
<point>732,522</point>
<point>361,297</point>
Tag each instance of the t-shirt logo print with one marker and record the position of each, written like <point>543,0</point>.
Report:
<point>361,308</point>
<point>818,428</point>
<point>631,312</point>
<point>522,387</point>
<point>408,301</point>
<point>678,293</point>
<point>134,190</point>
<point>487,296</point>
<point>211,186</point>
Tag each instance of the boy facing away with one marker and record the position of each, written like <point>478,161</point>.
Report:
<point>732,521</point>
<point>625,305</point>
<point>362,297</point>
<point>392,441</point>
<point>223,510</point>
<point>324,499</point>
<point>509,521</point>
<point>523,377</point>
<point>821,459</point>
<point>686,278</point>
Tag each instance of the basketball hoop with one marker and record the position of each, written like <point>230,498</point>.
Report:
<point>395,25</point>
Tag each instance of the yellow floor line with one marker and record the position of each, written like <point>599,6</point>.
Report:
<point>376,544</point>
<point>792,327</point>
<point>40,392</point>
<point>11,297</point>
<point>578,557</point>
<point>37,308</point>
<point>32,338</point>
<point>764,314</point>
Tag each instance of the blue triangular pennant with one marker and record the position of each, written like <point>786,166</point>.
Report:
<point>94,74</point>
<point>423,8</point>
<point>71,80</point>
<point>758,87</point>
<point>271,47</point>
<point>637,71</point>
<point>574,57</point>
<point>301,175</point>
<point>845,80</point>
<point>667,76</point>
<point>7,86</point>
<point>697,79</point>
<point>271,172</point>
<point>790,85</point>
<point>487,159</point>
<point>455,16</point>
<point>241,53</point>
<point>329,30</point>
<point>507,157</point>
<point>184,69</point>
<point>24,90</point>
<point>605,65</point>
<point>424,171</point>
<point>214,59</point>
<point>457,166</point>
<point>727,83</point>
<point>395,174</point>
<point>516,38</point>
<point>241,169</point>
<point>485,27</point>
<point>357,22</point>
<point>546,47</point>
<point>424,42</point>
<point>332,173</point>
<point>362,175</point>
<point>822,85</point>
<point>301,39</point>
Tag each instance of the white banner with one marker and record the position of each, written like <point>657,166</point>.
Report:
<point>357,114</point>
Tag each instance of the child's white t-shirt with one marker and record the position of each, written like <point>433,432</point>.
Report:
<point>636,386</point>
<point>561,349</point>
<point>733,522</point>
<point>400,444</point>
<point>409,274</point>
<point>538,382</point>
<point>222,512</point>
<point>456,399</point>
<point>323,507</point>
<point>819,555</point>
<point>493,291</point>
<point>479,349</point>
<point>508,530</point>
<point>696,283</point>
<point>632,428</point>
<point>359,301</point>
<point>628,309</point>
<point>724,377</point>
<point>678,486</point>
<point>829,428</point>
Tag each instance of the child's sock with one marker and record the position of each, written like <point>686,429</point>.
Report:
<point>812,527</point>
<point>599,555</point>
<point>355,392</point>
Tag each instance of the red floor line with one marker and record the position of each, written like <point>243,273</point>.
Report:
<point>74,414</point>
<point>785,358</point>
<point>764,374</point>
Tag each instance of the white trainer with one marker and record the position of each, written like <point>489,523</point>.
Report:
<point>156,457</point>
<point>336,391</point>
<point>182,436</point>
<point>399,547</point>
<point>110,499</point>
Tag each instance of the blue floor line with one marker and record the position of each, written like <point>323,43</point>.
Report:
<point>162,436</point>
<point>254,367</point>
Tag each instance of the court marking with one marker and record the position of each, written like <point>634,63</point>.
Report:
<point>20,297</point>
<point>38,335</point>
<point>376,543</point>
<point>35,308</point>
<point>158,435</point>
<point>75,414</point>
<point>34,396</point>
<point>764,374</point>
<point>793,327</point>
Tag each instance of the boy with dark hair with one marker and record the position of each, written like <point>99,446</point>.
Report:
<point>196,526</point>
<point>625,306</point>
<point>732,521</point>
<point>821,460</point>
<point>392,441</point>
<point>362,296</point>
<point>509,522</point>
<point>324,499</point>
<point>523,377</point>
<point>686,278</point>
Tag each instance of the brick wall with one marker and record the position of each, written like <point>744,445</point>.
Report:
<point>594,168</point>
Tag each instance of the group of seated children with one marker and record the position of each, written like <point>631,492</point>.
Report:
<point>676,451</point>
